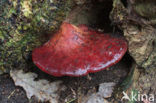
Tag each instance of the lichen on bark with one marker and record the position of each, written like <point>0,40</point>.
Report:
<point>22,25</point>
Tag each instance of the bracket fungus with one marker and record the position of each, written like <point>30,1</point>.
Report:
<point>77,51</point>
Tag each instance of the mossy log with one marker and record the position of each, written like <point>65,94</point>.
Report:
<point>22,26</point>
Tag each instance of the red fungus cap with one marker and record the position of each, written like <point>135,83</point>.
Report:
<point>77,51</point>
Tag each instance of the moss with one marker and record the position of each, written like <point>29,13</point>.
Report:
<point>26,7</point>
<point>118,13</point>
<point>23,25</point>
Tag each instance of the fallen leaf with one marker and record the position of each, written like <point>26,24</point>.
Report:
<point>43,90</point>
<point>105,91</point>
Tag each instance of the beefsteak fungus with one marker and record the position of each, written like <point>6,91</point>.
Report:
<point>77,51</point>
